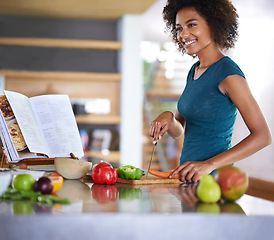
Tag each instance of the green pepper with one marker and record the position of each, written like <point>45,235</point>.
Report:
<point>130,194</point>
<point>130,172</point>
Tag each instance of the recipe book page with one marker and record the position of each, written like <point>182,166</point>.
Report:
<point>47,123</point>
<point>24,115</point>
<point>56,121</point>
<point>8,146</point>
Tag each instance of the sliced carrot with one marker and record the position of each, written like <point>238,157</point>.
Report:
<point>163,174</point>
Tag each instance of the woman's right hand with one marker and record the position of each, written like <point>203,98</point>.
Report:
<point>186,193</point>
<point>160,125</point>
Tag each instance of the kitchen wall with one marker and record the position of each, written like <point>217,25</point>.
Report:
<point>126,62</point>
<point>254,54</point>
<point>53,59</point>
<point>63,60</point>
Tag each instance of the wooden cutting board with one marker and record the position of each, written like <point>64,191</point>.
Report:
<point>149,180</point>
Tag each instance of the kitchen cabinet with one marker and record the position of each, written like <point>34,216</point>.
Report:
<point>77,84</point>
<point>41,56</point>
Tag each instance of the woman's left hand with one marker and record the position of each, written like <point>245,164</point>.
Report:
<point>192,171</point>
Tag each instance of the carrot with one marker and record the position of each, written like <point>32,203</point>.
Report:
<point>163,174</point>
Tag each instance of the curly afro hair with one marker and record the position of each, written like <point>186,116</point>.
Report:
<point>220,15</point>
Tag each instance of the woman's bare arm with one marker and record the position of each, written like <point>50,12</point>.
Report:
<point>167,122</point>
<point>236,88</point>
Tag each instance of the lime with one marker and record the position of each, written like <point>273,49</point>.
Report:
<point>23,182</point>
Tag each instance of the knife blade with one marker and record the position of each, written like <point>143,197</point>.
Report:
<point>152,154</point>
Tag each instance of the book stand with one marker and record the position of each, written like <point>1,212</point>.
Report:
<point>24,162</point>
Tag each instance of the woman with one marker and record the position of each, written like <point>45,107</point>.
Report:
<point>215,89</point>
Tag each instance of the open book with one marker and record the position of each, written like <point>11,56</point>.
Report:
<point>41,126</point>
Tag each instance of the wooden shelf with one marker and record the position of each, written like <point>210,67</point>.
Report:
<point>98,119</point>
<point>61,43</point>
<point>75,84</point>
<point>113,156</point>
<point>61,76</point>
<point>74,9</point>
<point>162,95</point>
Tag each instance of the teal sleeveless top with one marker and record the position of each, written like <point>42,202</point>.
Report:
<point>210,115</point>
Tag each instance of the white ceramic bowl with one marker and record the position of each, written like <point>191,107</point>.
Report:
<point>36,174</point>
<point>71,168</point>
<point>5,181</point>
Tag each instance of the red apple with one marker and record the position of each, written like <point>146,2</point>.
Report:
<point>233,182</point>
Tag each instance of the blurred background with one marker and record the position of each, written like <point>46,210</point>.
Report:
<point>121,70</point>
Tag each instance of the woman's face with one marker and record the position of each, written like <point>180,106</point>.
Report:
<point>193,31</point>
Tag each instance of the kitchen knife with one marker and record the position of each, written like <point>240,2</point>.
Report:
<point>151,158</point>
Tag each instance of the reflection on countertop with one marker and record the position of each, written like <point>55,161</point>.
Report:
<point>87,197</point>
<point>123,211</point>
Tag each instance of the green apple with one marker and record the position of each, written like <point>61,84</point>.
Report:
<point>23,182</point>
<point>22,207</point>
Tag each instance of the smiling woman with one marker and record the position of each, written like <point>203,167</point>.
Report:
<point>191,27</point>
<point>216,89</point>
<point>222,20</point>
